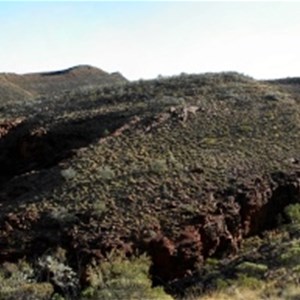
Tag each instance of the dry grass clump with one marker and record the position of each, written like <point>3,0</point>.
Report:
<point>290,292</point>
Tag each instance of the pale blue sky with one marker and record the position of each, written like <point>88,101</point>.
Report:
<point>145,39</point>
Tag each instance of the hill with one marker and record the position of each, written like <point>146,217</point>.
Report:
<point>189,170</point>
<point>15,87</point>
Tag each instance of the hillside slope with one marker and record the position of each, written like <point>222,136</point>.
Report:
<point>20,87</point>
<point>183,168</point>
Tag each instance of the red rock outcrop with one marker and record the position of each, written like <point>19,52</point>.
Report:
<point>252,209</point>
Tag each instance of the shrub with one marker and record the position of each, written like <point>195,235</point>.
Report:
<point>68,174</point>
<point>159,166</point>
<point>26,291</point>
<point>292,211</point>
<point>246,281</point>
<point>99,207</point>
<point>17,282</point>
<point>122,279</point>
<point>105,173</point>
<point>292,255</point>
<point>59,274</point>
<point>62,216</point>
<point>252,269</point>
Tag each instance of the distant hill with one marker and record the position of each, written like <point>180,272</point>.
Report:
<point>14,87</point>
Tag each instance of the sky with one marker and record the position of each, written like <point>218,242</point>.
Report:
<point>147,39</point>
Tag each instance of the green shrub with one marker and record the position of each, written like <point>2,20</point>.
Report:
<point>122,279</point>
<point>252,269</point>
<point>105,172</point>
<point>246,281</point>
<point>99,208</point>
<point>62,216</point>
<point>26,291</point>
<point>222,284</point>
<point>17,282</point>
<point>212,262</point>
<point>159,166</point>
<point>69,173</point>
<point>292,255</point>
<point>292,211</point>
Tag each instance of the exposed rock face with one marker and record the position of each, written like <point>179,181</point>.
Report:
<point>261,203</point>
<point>174,259</point>
<point>251,210</point>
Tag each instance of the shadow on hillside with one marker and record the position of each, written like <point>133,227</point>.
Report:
<point>30,147</point>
